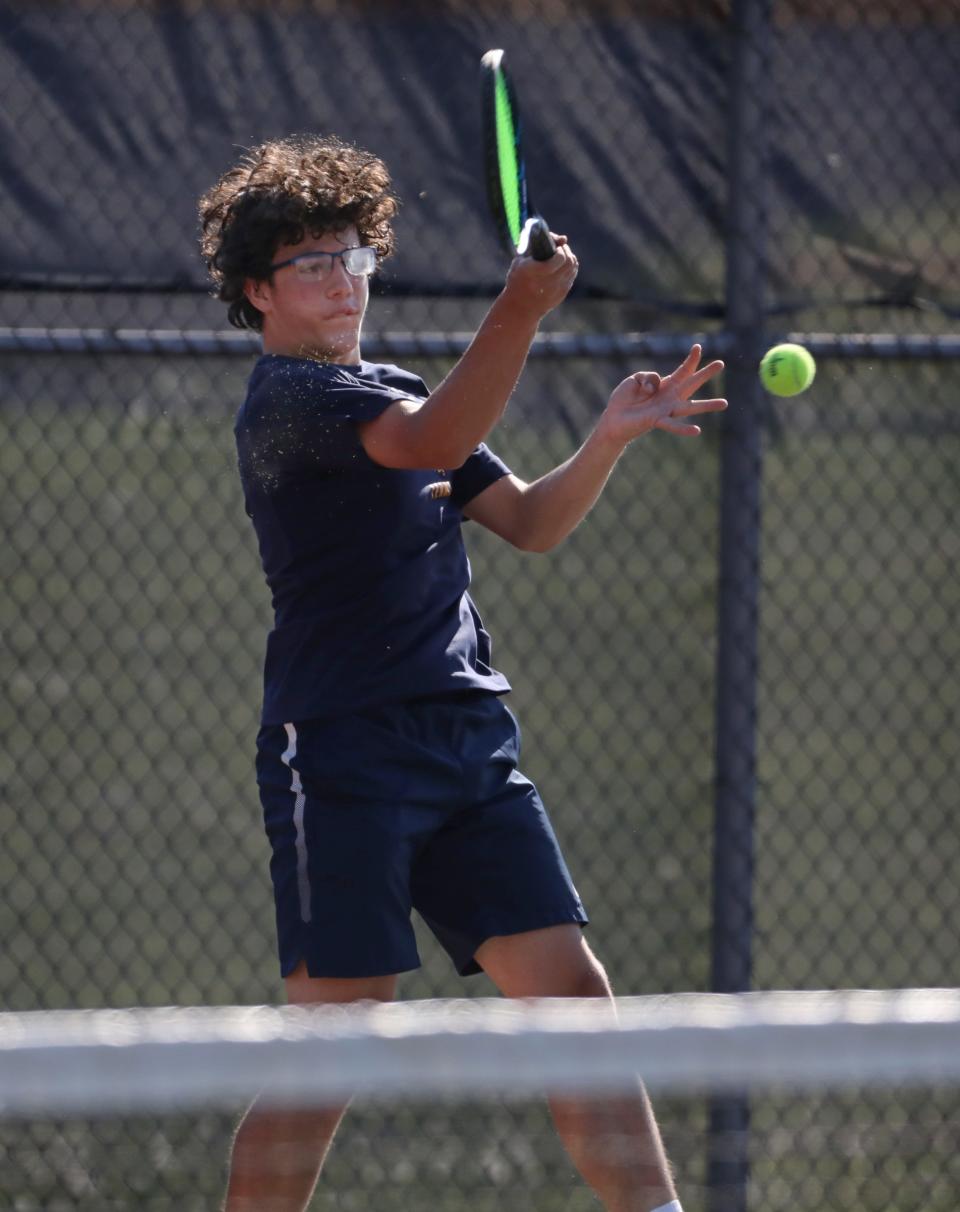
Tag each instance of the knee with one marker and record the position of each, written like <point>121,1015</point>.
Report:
<point>591,981</point>
<point>586,976</point>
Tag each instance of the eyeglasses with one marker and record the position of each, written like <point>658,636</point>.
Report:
<point>317,266</point>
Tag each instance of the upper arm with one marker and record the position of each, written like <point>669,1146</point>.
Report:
<point>388,439</point>
<point>500,508</point>
<point>396,439</point>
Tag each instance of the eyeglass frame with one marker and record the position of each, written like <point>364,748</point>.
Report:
<point>341,253</point>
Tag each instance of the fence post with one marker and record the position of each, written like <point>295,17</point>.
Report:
<point>728,1163</point>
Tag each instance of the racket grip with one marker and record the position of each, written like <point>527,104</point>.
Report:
<point>536,240</point>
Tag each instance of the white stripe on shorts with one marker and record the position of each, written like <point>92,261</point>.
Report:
<point>303,876</point>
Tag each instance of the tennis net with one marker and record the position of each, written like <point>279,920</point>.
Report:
<point>801,1101</point>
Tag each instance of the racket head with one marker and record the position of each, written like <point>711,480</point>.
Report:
<point>505,169</point>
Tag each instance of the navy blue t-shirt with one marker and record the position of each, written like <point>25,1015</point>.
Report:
<point>366,564</point>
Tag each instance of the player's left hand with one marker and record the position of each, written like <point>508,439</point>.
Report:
<point>645,401</point>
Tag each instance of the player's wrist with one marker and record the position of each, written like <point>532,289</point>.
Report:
<point>609,436</point>
<point>519,308</point>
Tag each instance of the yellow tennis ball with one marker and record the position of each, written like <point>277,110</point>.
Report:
<point>786,370</point>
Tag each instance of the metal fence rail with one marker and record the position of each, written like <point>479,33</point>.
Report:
<point>385,345</point>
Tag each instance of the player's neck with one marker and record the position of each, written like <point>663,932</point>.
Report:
<point>277,344</point>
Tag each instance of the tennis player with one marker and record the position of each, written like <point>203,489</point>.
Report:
<point>386,759</point>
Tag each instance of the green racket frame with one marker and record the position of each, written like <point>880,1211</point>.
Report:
<point>521,229</point>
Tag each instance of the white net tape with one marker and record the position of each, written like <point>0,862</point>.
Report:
<point>108,1061</point>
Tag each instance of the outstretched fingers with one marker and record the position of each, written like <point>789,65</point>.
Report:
<point>673,423</point>
<point>687,378</point>
<point>693,407</point>
<point>644,401</point>
<point>684,428</point>
<point>698,379</point>
<point>689,363</point>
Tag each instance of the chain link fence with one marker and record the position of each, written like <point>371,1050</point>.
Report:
<point>133,862</point>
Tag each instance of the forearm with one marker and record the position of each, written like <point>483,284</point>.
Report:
<point>444,430</point>
<point>553,506</point>
<point>538,516</point>
<point>471,399</point>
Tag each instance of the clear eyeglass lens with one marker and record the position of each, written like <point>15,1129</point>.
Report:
<point>361,262</point>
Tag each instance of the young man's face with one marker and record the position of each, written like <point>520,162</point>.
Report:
<point>318,313</point>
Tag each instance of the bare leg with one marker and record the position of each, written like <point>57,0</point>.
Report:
<point>613,1141</point>
<point>277,1154</point>
<point>277,1157</point>
<point>616,1146</point>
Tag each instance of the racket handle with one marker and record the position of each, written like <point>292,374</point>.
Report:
<point>536,240</point>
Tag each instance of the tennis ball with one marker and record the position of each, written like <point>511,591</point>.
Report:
<point>786,370</point>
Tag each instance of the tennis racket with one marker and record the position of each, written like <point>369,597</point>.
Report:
<point>521,229</point>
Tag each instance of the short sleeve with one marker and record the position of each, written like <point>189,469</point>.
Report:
<point>301,417</point>
<point>481,469</point>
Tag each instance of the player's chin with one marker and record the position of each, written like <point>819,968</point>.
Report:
<point>339,336</point>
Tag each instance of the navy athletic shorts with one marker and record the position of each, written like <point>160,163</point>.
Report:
<point>412,806</point>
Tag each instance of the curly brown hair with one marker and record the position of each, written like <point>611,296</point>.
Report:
<point>279,193</point>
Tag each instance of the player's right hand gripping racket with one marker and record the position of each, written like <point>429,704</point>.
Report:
<point>522,230</point>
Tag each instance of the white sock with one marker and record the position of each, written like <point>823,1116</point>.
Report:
<point>672,1206</point>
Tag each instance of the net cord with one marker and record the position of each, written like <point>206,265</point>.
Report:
<point>179,1059</point>
<point>227,342</point>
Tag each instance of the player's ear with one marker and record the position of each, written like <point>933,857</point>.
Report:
<point>259,293</point>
